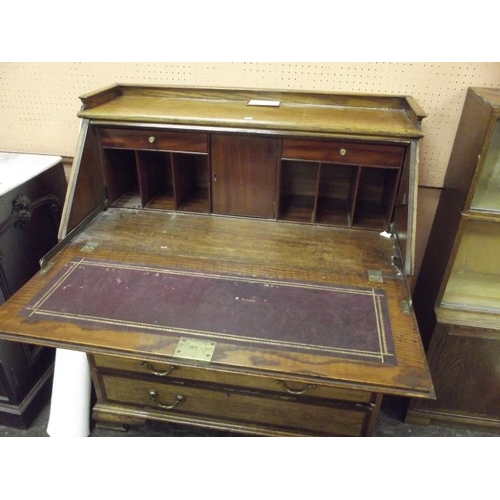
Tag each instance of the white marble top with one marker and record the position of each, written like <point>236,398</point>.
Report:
<point>17,168</point>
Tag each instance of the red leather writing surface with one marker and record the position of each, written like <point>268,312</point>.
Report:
<point>348,322</point>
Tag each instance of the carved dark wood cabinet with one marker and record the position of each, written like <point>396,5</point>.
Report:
<point>457,294</point>
<point>237,259</point>
<point>32,191</point>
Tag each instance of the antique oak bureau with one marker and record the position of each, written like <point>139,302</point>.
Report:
<point>237,259</point>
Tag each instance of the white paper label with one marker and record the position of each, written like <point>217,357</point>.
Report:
<point>258,102</point>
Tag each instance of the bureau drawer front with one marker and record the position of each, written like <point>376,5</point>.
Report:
<point>343,152</point>
<point>235,408</point>
<point>165,371</point>
<point>158,140</point>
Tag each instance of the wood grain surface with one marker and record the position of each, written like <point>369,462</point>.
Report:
<point>247,247</point>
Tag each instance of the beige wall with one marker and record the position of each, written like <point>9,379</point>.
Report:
<point>39,101</point>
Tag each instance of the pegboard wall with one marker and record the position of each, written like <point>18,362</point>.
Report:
<point>39,101</point>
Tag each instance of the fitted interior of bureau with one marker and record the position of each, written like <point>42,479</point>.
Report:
<point>338,195</point>
<point>331,193</point>
<point>157,180</point>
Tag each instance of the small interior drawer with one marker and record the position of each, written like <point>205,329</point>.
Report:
<point>158,140</point>
<point>241,408</point>
<point>166,371</point>
<point>344,152</point>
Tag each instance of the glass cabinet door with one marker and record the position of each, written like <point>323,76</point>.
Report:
<point>474,282</point>
<point>487,195</point>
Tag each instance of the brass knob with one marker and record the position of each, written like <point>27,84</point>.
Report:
<point>343,152</point>
<point>152,139</point>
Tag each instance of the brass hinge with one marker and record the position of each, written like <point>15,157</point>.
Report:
<point>199,350</point>
<point>375,276</point>
<point>406,304</point>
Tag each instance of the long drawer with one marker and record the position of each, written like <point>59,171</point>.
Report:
<point>159,140</point>
<point>344,152</point>
<point>167,371</point>
<point>252,411</point>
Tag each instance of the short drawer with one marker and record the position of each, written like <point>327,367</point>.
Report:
<point>335,151</point>
<point>236,408</point>
<point>165,371</point>
<point>159,140</point>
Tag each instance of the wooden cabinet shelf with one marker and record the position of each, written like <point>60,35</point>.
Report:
<point>339,195</point>
<point>457,294</point>
<point>191,182</point>
<point>157,180</point>
<point>376,191</point>
<point>298,185</point>
<point>154,174</point>
<point>337,185</point>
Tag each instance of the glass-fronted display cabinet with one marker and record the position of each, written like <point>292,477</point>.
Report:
<point>457,293</point>
<point>474,281</point>
<point>486,194</point>
<point>470,289</point>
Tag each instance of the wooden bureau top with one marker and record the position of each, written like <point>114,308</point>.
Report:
<point>305,113</point>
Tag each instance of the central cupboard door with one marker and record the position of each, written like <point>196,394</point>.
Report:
<point>243,175</point>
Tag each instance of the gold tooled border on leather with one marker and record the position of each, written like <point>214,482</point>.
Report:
<point>383,354</point>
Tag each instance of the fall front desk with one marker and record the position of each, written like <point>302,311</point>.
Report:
<point>236,259</point>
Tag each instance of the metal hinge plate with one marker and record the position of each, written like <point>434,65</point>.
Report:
<point>89,247</point>
<point>199,350</point>
<point>406,306</point>
<point>375,276</point>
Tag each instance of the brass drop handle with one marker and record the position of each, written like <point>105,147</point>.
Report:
<point>343,152</point>
<point>154,372</point>
<point>295,391</point>
<point>152,139</point>
<point>153,396</point>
